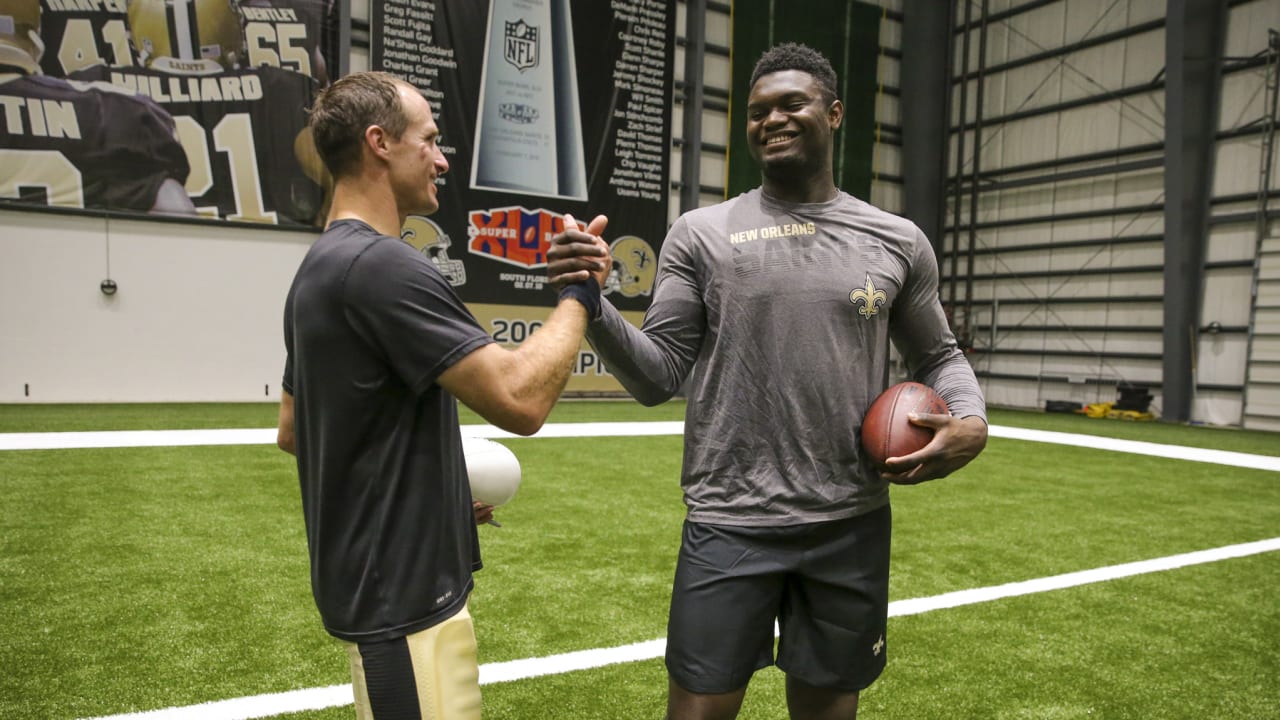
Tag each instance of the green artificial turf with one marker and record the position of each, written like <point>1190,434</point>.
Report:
<point>141,578</point>
<point>136,416</point>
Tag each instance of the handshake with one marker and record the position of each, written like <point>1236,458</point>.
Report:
<point>579,262</point>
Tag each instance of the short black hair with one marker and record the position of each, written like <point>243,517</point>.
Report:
<point>796,56</point>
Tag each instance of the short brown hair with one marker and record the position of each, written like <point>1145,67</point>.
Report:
<point>343,110</point>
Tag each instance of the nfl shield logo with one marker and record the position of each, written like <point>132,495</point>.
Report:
<point>521,45</point>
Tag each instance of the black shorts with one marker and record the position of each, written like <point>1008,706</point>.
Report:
<point>826,584</point>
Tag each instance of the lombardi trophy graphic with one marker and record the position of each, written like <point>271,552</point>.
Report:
<point>528,125</point>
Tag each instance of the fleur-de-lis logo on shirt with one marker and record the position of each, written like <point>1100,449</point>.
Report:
<point>870,297</point>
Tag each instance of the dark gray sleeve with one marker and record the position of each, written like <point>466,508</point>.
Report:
<point>653,361</point>
<point>919,330</point>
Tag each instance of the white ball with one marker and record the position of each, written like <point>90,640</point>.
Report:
<point>493,469</point>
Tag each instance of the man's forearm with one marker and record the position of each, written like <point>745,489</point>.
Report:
<point>544,362</point>
<point>636,360</point>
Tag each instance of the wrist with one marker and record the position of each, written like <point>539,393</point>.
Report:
<point>587,293</point>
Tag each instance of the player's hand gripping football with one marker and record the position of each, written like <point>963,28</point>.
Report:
<point>576,254</point>
<point>955,442</point>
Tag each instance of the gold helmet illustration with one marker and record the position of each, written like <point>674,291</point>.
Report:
<point>431,241</point>
<point>635,265</point>
<point>187,36</point>
<point>20,44</point>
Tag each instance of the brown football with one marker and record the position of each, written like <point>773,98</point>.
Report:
<point>887,433</point>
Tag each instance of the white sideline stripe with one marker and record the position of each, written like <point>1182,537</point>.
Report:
<point>568,662</point>
<point>260,706</point>
<point>254,706</point>
<point>1138,447</point>
<point>133,438</point>
<point>902,608</point>
<point>266,436</point>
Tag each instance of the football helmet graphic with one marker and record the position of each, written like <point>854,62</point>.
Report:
<point>635,265</point>
<point>431,241</point>
<point>20,44</point>
<point>187,36</point>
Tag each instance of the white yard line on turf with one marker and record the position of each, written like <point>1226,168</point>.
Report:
<point>266,436</point>
<point>1138,447</point>
<point>261,706</point>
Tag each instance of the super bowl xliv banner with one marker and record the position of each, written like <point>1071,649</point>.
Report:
<point>191,108</point>
<point>547,108</point>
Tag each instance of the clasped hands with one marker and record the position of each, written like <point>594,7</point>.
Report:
<point>579,253</point>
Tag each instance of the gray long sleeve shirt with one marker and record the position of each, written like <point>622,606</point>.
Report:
<point>783,312</point>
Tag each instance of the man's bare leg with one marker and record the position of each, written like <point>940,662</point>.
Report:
<point>685,705</point>
<point>807,702</point>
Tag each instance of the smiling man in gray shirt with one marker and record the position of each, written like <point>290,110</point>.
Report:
<point>778,307</point>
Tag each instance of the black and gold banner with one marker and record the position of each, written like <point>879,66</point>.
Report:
<point>546,107</point>
<point>179,107</point>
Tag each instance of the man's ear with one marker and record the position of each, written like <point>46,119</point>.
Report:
<point>835,114</point>
<point>376,140</point>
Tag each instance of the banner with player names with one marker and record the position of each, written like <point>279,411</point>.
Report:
<point>546,107</point>
<point>189,108</point>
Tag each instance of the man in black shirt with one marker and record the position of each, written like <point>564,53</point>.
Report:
<point>378,348</point>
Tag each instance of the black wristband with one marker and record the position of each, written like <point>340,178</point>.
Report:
<point>587,293</point>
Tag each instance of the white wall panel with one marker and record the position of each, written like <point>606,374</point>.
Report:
<point>712,171</point>
<point>1221,359</point>
<point>887,196</point>
<point>1237,170</point>
<point>887,110</point>
<point>1137,255</point>
<point>1012,393</point>
<point>1020,235</point>
<point>1029,140</point>
<point>887,159</point>
<point>1242,99</point>
<point>1039,29</point>
<point>1087,72</point>
<point>716,66</point>
<point>1089,129</point>
<point>1143,10</point>
<point>715,127</point>
<point>889,70</point>
<point>719,28</point>
<point>1226,296</point>
<point>1093,128</point>
<point>1088,19</point>
<point>196,317</point>
<point>1268,321</point>
<point>1247,27</point>
<point>1225,357</point>
<point>1137,190</point>
<point>1233,241</point>
<point>1216,407</point>
<point>1083,195</point>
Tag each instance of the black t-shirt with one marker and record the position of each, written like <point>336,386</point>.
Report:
<point>85,145</point>
<point>369,325</point>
